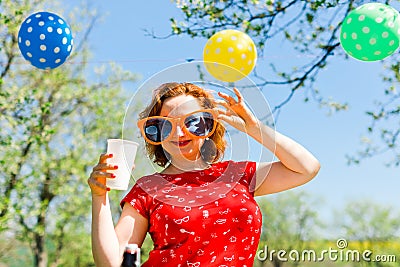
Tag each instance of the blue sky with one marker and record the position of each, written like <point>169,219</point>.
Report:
<point>120,38</point>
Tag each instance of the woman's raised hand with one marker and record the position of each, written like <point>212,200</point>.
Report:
<point>236,113</point>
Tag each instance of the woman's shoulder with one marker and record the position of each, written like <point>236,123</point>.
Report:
<point>149,180</point>
<point>244,171</point>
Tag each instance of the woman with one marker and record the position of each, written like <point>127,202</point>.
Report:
<point>199,211</point>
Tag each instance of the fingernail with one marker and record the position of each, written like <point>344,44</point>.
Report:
<point>108,189</point>
<point>112,175</point>
<point>115,167</point>
<point>110,155</point>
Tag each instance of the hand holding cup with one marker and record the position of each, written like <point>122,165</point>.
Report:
<point>114,168</point>
<point>100,173</point>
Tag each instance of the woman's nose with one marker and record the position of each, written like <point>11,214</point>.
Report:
<point>179,131</point>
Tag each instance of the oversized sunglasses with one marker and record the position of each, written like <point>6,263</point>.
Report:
<point>198,124</point>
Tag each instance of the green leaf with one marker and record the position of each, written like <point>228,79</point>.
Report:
<point>310,17</point>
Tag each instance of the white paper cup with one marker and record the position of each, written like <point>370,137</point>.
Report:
<point>124,153</point>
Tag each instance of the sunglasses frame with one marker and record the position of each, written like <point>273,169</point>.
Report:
<point>178,121</point>
<point>175,122</point>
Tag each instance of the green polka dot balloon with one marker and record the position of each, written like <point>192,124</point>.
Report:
<point>371,32</point>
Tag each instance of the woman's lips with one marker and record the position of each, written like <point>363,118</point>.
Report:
<point>181,143</point>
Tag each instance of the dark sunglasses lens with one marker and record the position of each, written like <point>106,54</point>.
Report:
<point>200,124</point>
<point>157,130</point>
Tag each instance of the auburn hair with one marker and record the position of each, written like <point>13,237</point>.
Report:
<point>212,149</point>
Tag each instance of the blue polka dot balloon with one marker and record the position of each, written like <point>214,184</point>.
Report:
<point>45,40</point>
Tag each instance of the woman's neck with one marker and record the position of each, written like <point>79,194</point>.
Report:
<point>185,166</point>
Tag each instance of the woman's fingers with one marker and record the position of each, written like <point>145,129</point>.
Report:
<point>225,118</point>
<point>96,183</point>
<point>222,103</point>
<point>221,111</point>
<point>238,94</point>
<point>104,157</point>
<point>237,113</point>
<point>229,110</point>
<point>105,166</point>
<point>98,177</point>
<point>101,174</point>
<point>230,100</point>
<point>234,121</point>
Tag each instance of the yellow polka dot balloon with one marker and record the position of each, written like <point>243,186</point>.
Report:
<point>371,32</point>
<point>230,55</point>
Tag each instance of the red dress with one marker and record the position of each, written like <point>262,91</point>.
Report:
<point>200,218</point>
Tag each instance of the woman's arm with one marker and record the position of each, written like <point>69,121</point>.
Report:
<point>108,244</point>
<point>296,164</point>
<point>295,167</point>
<point>105,243</point>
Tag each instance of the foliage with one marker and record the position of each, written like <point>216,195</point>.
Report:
<point>53,127</point>
<point>310,29</point>
<point>369,226</point>
<point>365,220</point>
<point>289,220</point>
<point>291,223</point>
<point>383,131</point>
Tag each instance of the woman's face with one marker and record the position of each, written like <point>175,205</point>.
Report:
<point>181,146</point>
